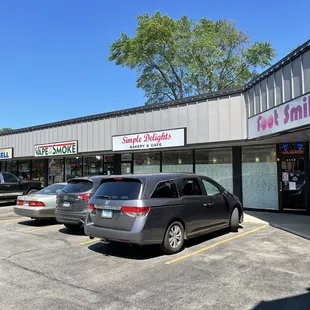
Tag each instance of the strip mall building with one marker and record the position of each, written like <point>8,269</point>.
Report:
<point>253,140</point>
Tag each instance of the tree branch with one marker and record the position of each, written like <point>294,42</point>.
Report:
<point>236,76</point>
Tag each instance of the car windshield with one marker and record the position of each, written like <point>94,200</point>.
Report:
<point>78,186</point>
<point>125,189</point>
<point>51,190</point>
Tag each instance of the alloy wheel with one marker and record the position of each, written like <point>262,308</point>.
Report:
<point>175,236</point>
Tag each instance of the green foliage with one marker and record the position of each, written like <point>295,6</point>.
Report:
<point>4,130</point>
<point>179,58</point>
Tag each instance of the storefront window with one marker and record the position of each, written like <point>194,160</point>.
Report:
<point>259,177</point>
<point>92,165</point>
<point>146,162</point>
<point>12,166</point>
<point>126,157</point>
<point>178,161</point>
<point>38,170</point>
<point>73,168</point>
<point>216,164</point>
<point>24,169</point>
<point>55,171</point>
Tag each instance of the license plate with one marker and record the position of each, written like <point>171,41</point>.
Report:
<point>25,202</point>
<point>66,204</point>
<point>107,214</point>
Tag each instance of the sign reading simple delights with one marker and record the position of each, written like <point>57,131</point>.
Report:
<point>6,153</point>
<point>55,149</point>
<point>149,140</point>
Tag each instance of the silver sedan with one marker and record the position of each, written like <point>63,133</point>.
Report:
<point>42,204</point>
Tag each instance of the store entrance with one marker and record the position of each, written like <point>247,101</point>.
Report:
<point>292,177</point>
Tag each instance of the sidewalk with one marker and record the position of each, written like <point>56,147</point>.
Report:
<point>295,224</point>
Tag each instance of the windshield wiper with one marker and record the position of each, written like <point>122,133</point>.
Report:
<point>103,196</point>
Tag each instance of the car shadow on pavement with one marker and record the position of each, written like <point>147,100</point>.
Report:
<point>198,240</point>
<point>294,302</point>
<point>38,223</point>
<point>77,232</point>
<point>125,250</point>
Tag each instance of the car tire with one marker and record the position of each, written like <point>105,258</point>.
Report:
<point>32,191</point>
<point>74,227</point>
<point>234,220</point>
<point>174,238</point>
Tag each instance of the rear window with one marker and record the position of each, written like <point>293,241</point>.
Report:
<point>125,189</point>
<point>166,189</point>
<point>78,186</point>
<point>51,190</point>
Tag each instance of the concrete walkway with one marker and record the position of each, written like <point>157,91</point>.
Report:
<point>295,224</point>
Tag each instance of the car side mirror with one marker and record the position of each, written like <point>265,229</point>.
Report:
<point>58,191</point>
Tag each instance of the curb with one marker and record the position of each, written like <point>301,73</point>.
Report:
<point>291,231</point>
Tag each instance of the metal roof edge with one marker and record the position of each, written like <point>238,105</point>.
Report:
<point>279,64</point>
<point>140,109</point>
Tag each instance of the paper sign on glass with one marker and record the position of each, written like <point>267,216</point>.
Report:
<point>292,186</point>
<point>284,177</point>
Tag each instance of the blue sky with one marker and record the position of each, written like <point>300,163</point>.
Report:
<point>53,55</point>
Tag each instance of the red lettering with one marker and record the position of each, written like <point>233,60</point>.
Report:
<point>133,141</point>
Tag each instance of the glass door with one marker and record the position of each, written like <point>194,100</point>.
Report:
<point>292,177</point>
<point>126,163</point>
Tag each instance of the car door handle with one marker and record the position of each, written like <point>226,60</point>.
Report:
<point>8,185</point>
<point>208,205</point>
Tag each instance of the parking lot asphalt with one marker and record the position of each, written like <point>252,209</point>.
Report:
<point>44,266</point>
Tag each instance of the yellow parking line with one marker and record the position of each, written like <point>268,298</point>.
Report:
<point>41,228</point>
<point>90,241</point>
<point>214,245</point>
<point>12,220</point>
<point>11,213</point>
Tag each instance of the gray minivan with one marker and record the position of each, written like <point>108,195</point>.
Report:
<point>71,202</point>
<point>163,208</point>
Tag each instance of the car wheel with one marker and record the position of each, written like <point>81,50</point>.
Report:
<point>73,226</point>
<point>234,220</point>
<point>174,238</point>
<point>32,192</point>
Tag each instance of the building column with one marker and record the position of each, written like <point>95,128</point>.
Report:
<point>117,163</point>
<point>237,171</point>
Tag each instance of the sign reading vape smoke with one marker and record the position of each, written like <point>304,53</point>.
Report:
<point>54,149</point>
<point>292,114</point>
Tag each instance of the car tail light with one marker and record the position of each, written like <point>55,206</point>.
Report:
<point>91,207</point>
<point>85,197</point>
<point>136,211</point>
<point>20,202</point>
<point>36,204</point>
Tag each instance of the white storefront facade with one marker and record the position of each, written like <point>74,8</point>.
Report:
<point>254,140</point>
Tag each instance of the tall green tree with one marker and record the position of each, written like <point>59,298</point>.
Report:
<point>4,130</point>
<point>179,58</point>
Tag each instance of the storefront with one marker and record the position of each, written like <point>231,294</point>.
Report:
<point>287,123</point>
<point>253,140</point>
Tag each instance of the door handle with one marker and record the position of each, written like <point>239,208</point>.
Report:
<point>8,185</point>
